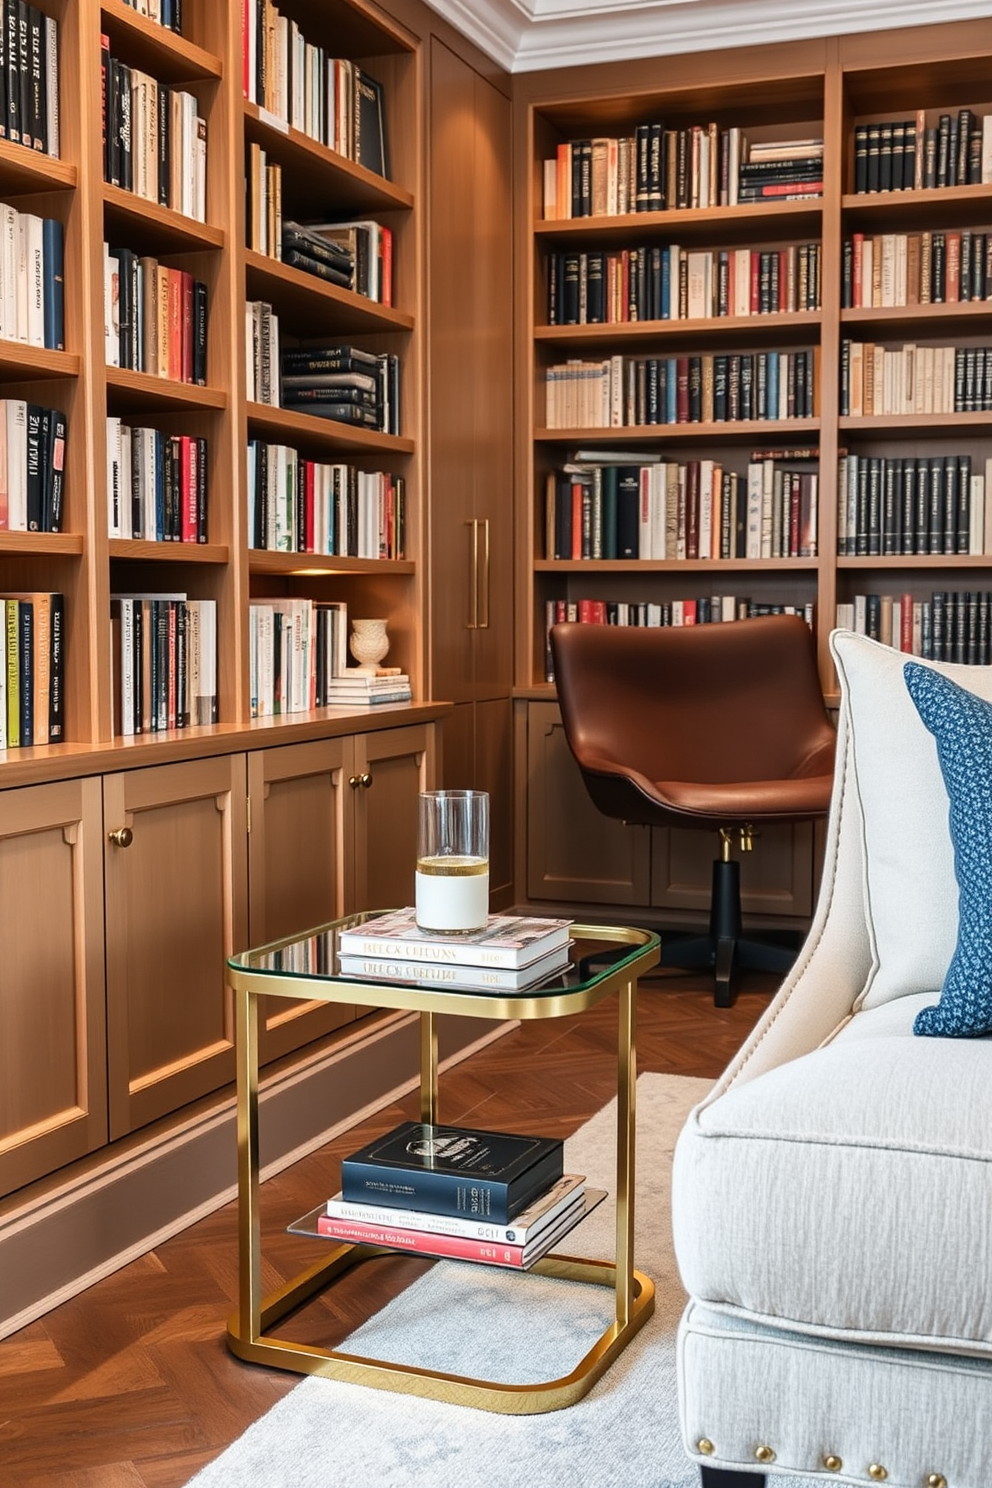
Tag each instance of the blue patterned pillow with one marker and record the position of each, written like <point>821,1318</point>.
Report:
<point>961,724</point>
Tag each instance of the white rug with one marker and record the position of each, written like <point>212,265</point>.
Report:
<point>480,1321</point>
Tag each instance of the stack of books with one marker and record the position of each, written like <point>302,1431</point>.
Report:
<point>343,383</point>
<point>354,685</point>
<point>511,953</point>
<point>494,1197</point>
<point>781,170</point>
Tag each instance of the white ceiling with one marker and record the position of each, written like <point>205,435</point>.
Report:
<point>528,35</point>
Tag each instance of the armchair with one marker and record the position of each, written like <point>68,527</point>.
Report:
<point>832,1196</point>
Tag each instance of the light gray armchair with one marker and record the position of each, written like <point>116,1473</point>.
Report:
<point>832,1197</point>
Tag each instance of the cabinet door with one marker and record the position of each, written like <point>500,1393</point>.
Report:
<point>53,1100</point>
<point>176,909</point>
<point>574,853</point>
<point>299,849</point>
<point>392,767</point>
<point>776,876</point>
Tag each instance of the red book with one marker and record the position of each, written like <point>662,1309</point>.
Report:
<point>459,1247</point>
<point>857,270</point>
<point>188,523</point>
<point>795,511</point>
<point>175,324</point>
<point>688,612</point>
<point>386,278</point>
<point>755,283</point>
<point>586,616</point>
<point>186,343</point>
<point>953,277</point>
<point>906,623</point>
<point>576,519</point>
<point>682,390</point>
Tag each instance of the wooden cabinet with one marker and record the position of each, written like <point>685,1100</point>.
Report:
<point>391,768</point>
<point>53,1093</point>
<point>176,892</point>
<point>575,855</point>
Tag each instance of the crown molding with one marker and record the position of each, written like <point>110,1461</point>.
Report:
<point>531,35</point>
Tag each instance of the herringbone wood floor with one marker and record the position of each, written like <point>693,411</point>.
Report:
<point>130,1385</point>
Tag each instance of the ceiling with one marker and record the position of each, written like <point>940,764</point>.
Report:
<point>528,35</point>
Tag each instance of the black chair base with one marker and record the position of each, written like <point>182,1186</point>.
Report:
<point>728,1477</point>
<point>725,948</point>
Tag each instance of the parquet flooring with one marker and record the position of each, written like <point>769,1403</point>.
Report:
<point>130,1385</point>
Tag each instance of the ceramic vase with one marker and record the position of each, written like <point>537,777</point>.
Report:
<point>368,643</point>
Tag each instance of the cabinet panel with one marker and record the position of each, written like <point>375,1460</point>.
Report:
<point>176,908</point>
<point>478,755</point>
<point>53,1105</point>
<point>776,877</point>
<point>573,851</point>
<point>400,764</point>
<point>299,858</point>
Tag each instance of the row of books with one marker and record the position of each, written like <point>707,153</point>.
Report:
<point>333,100</point>
<point>156,484</point>
<point>164,651</point>
<point>703,609</point>
<point>939,268</point>
<point>669,510</point>
<point>32,466</point>
<point>912,154</point>
<point>901,505</point>
<point>509,952</point>
<point>621,391</point>
<point>655,169</point>
<point>155,317</point>
<point>296,505</point>
<point>168,13</point>
<point>32,279</point>
<point>263,202</point>
<point>261,353</point>
<point>32,669</point>
<point>356,255</point>
<point>906,379</point>
<point>343,383</point>
<point>29,77</point>
<point>154,138</point>
<point>298,654</point>
<point>673,283</point>
<point>948,626</point>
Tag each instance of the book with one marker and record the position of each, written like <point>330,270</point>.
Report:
<point>451,1247</point>
<point>545,1210</point>
<point>507,941</point>
<point>459,978</point>
<point>453,1170</point>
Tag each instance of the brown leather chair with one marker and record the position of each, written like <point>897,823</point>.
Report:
<point>718,726</point>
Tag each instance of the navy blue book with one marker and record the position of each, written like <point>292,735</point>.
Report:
<point>453,1170</point>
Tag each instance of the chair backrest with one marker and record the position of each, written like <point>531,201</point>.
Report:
<point>718,703</point>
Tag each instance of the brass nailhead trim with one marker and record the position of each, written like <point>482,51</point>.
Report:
<point>833,1463</point>
<point>877,1472</point>
<point>764,1454</point>
<point>705,1446</point>
<point>936,1480</point>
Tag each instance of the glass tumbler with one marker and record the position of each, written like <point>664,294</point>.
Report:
<point>453,861</point>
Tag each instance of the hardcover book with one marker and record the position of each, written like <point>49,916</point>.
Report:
<point>507,940</point>
<point>453,1170</point>
<point>546,1210</point>
<point>466,978</point>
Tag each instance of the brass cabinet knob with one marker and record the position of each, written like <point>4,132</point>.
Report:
<point>365,779</point>
<point>123,837</point>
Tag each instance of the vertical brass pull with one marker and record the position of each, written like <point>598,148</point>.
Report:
<point>484,585</point>
<point>473,579</point>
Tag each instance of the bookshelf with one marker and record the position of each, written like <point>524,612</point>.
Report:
<point>824,89</point>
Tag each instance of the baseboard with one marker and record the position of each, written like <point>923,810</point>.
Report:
<point>96,1217</point>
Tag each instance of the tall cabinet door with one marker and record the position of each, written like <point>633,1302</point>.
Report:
<point>299,859</point>
<point>392,767</point>
<point>176,889</point>
<point>53,1104</point>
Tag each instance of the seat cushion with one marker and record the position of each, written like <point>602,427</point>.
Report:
<point>911,895</point>
<point>848,1192</point>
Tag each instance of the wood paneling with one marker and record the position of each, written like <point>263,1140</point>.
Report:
<point>400,764</point>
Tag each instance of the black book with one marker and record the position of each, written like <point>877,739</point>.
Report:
<point>325,249</point>
<point>34,496</point>
<point>341,412</point>
<point>642,168</point>
<point>939,627</point>
<point>930,160</point>
<point>24,69</point>
<point>164,145</point>
<point>846,275</point>
<point>908,154</point>
<point>720,389</point>
<point>656,168</point>
<point>199,333</point>
<point>53,258</point>
<point>922,519</point>
<point>952,151</point>
<point>36,79</point>
<point>595,288</point>
<point>885,148</point>
<point>874,148</point>
<point>861,158</point>
<point>294,258</point>
<point>974,176</point>
<point>984,649</point>
<point>3,72</point>
<point>747,387</point>
<point>938,271</point>
<point>966,273</point>
<point>261,494</point>
<point>328,359</point>
<point>962,477</point>
<point>371,144</point>
<point>13,73</point>
<point>300,396</point>
<point>890,510</point>
<point>56,668</point>
<point>965,124</point>
<point>569,305</point>
<point>943,177</point>
<point>582,162</point>
<point>950,484</point>
<point>25,647</point>
<point>874,509</point>
<point>936,519</point>
<point>908,521</point>
<point>453,1170</point>
<point>861,510</point>
<point>628,511</point>
<point>201,489</point>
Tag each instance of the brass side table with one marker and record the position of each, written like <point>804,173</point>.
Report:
<point>605,959</point>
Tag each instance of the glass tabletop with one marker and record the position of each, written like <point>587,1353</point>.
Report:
<point>594,955</point>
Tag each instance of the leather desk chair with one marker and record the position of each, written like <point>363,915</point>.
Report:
<point>720,727</point>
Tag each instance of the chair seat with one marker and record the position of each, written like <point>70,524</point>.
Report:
<point>732,802</point>
<point>797,1194</point>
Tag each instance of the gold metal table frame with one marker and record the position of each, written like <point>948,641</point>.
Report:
<point>249,1325</point>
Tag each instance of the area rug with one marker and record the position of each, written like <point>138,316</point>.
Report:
<point>481,1321</point>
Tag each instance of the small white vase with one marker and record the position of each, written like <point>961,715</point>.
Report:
<point>368,643</point>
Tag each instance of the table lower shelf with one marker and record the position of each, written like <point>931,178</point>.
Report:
<point>508,1399</point>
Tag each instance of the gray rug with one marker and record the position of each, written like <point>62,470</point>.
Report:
<point>480,1321</point>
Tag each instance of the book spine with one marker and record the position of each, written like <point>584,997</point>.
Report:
<point>444,1193</point>
<point>460,1247</point>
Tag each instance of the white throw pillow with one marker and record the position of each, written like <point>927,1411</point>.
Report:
<point>911,892</point>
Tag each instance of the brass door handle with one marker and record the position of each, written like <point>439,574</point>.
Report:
<point>123,837</point>
<point>473,578</point>
<point>364,780</point>
<point>483,587</point>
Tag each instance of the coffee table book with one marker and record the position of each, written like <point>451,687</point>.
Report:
<point>444,974</point>
<point>508,941</point>
<point>453,1170</point>
<point>546,1209</point>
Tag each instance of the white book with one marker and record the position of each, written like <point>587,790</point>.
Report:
<point>988,505</point>
<point>127,666</point>
<point>976,514</point>
<point>279,459</point>
<point>251,385</point>
<point>51,45</point>
<point>987,149</point>
<point>705,534</point>
<point>508,941</point>
<point>700,277</point>
<point>8,249</point>
<point>35,285</point>
<point>189,146</point>
<point>755,493</point>
<point>111,309</point>
<point>742,281</point>
<point>22,278</point>
<point>200,169</point>
<point>17,464</point>
<point>657,475</point>
<point>124,480</point>
<point>113,477</point>
<point>565,1194</point>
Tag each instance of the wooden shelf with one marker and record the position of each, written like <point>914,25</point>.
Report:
<point>926,561</point>
<point>169,552</point>
<point>137,223</point>
<point>282,424</point>
<point>42,544</point>
<point>749,431</point>
<point>953,206</point>
<point>143,43</point>
<point>25,170</point>
<point>298,297</point>
<point>316,169</point>
<point>923,425</point>
<point>262,561</point>
<point>741,224</point>
<point>737,328</point>
<point>137,391</point>
<point>898,316</point>
<point>33,362</point>
<point>673,565</point>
